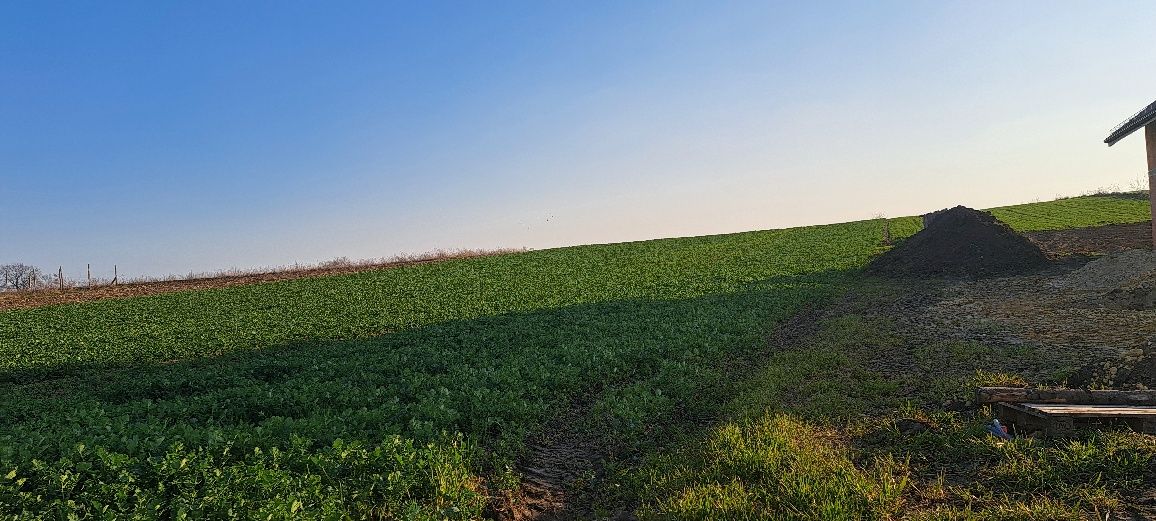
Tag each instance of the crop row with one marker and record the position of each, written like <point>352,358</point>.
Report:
<point>1076,212</point>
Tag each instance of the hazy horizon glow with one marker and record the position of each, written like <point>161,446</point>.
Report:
<point>192,138</point>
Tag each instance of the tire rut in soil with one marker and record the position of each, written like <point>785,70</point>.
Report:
<point>554,461</point>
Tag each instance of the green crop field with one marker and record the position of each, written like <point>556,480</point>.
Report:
<point>1076,212</point>
<point>408,393</point>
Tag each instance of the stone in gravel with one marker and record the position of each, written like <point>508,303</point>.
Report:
<point>1138,298</point>
<point>910,427</point>
<point>958,405</point>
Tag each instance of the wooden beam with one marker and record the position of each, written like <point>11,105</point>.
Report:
<point>1150,145</point>
<point>1076,396</point>
<point>1150,140</point>
<point>1062,419</point>
<point>1079,410</point>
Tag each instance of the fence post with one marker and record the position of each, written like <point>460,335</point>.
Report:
<point>60,277</point>
<point>114,274</point>
<point>89,284</point>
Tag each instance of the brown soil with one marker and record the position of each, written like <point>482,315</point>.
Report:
<point>1095,240</point>
<point>556,464</point>
<point>961,242</point>
<point>1039,312</point>
<point>1141,296</point>
<point>48,297</point>
<point>1081,312</point>
<point>1035,328</point>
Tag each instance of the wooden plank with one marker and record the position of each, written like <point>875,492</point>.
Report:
<point>1150,142</point>
<point>1091,411</point>
<point>1061,419</point>
<point>1022,411</point>
<point>1019,419</point>
<point>988,395</point>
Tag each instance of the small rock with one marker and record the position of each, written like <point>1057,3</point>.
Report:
<point>956,405</point>
<point>910,427</point>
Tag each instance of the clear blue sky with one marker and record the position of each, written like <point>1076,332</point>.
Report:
<point>172,137</point>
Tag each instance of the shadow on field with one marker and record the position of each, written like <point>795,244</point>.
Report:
<point>627,374</point>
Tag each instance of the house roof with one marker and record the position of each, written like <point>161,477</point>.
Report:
<point>1132,124</point>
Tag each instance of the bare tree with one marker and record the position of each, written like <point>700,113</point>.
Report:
<point>19,276</point>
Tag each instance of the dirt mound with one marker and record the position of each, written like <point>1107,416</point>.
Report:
<point>961,242</point>
<point>1112,272</point>
<point>1125,280</point>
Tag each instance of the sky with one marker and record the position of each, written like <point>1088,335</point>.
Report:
<point>178,137</point>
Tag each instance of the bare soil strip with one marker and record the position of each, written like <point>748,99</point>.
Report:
<point>555,461</point>
<point>1111,238</point>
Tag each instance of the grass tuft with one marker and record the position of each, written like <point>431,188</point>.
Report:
<point>774,467</point>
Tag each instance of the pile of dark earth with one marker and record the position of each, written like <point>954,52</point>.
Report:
<point>961,242</point>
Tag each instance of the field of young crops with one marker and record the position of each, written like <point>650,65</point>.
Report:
<point>1076,212</point>
<point>402,393</point>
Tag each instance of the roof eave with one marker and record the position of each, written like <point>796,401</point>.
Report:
<point>1138,121</point>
